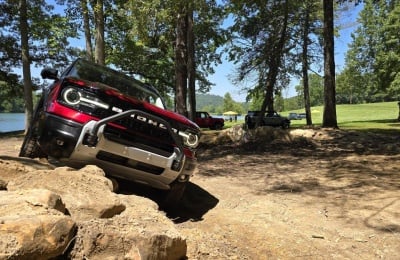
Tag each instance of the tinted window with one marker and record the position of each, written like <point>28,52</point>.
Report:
<point>129,86</point>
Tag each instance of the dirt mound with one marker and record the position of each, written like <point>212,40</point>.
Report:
<point>288,194</point>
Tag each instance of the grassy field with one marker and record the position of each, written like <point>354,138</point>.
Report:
<point>360,116</point>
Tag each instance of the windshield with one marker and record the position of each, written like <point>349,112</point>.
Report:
<point>82,69</point>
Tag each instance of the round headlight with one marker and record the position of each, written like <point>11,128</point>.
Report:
<point>71,96</point>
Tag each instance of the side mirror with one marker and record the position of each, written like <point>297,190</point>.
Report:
<point>49,73</point>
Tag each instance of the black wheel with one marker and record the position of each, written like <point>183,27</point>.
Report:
<point>218,127</point>
<point>30,147</point>
<point>174,195</point>
<point>285,126</point>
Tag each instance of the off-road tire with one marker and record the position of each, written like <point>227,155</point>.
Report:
<point>30,147</point>
<point>174,196</point>
<point>285,125</point>
<point>218,126</point>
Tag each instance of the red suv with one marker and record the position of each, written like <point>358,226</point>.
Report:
<point>92,114</point>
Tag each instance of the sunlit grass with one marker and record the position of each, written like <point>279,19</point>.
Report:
<point>360,116</point>
<point>372,116</point>
<point>229,124</point>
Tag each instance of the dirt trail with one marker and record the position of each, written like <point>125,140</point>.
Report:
<point>333,195</point>
<point>327,195</point>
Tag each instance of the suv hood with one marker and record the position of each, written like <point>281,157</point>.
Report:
<point>138,104</point>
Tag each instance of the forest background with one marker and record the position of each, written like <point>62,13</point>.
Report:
<point>141,38</point>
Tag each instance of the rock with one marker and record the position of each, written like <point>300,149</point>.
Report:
<point>307,133</point>
<point>235,133</point>
<point>238,135</point>
<point>134,234</point>
<point>10,170</point>
<point>86,193</point>
<point>33,226</point>
<point>230,135</point>
<point>62,212</point>
<point>28,200</point>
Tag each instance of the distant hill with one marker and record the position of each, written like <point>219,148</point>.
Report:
<point>209,100</point>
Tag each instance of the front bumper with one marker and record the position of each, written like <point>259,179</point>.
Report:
<point>92,145</point>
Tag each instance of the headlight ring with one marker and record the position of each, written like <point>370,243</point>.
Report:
<point>74,97</point>
<point>71,96</point>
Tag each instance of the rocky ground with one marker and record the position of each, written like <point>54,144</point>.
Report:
<point>289,194</point>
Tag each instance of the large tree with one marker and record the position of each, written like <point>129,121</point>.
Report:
<point>372,60</point>
<point>153,38</point>
<point>305,61</point>
<point>310,18</point>
<point>191,63</point>
<point>87,31</point>
<point>316,90</point>
<point>89,17</point>
<point>261,46</point>
<point>181,59</point>
<point>329,114</point>
<point>37,34</point>
<point>26,66</point>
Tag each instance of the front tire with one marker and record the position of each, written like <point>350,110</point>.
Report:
<point>285,126</point>
<point>174,195</point>
<point>218,127</point>
<point>30,147</point>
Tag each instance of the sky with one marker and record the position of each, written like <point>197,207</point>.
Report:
<point>224,71</point>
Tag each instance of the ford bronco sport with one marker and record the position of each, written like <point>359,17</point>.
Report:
<point>92,114</point>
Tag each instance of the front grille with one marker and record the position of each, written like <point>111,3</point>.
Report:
<point>120,160</point>
<point>139,132</point>
<point>142,140</point>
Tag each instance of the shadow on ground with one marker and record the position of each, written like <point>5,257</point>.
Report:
<point>195,203</point>
<point>356,172</point>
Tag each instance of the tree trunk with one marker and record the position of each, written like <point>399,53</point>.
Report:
<point>329,115</point>
<point>180,64</point>
<point>275,63</point>
<point>26,69</point>
<point>86,26</point>
<point>305,66</point>
<point>191,67</point>
<point>99,23</point>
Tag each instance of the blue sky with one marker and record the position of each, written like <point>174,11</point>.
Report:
<point>223,72</point>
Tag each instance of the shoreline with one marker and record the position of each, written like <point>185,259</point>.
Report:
<point>12,133</point>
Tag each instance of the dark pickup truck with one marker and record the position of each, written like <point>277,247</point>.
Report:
<point>92,114</point>
<point>271,118</point>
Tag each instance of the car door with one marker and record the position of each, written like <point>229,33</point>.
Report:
<point>274,119</point>
<point>202,119</point>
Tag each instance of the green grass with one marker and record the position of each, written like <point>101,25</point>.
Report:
<point>229,124</point>
<point>360,116</point>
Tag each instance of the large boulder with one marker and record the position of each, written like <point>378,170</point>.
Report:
<point>48,212</point>
<point>140,232</point>
<point>33,225</point>
<point>86,193</point>
<point>11,169</point>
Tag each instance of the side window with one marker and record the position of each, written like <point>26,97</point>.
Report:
<point>159,103</point>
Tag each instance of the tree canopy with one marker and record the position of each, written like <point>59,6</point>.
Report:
<point>372,67</point>
<point>176,45</point>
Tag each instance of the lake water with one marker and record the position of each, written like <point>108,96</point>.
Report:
<point>10,122</point>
